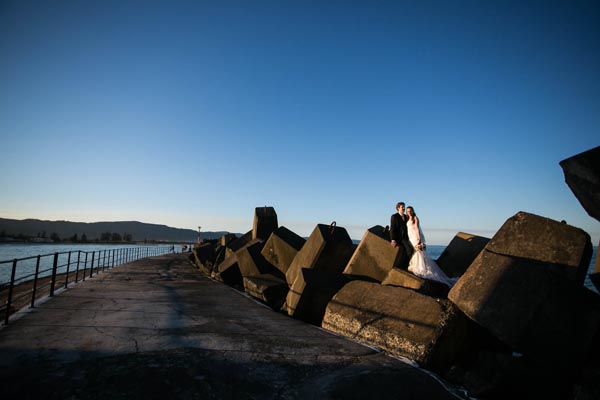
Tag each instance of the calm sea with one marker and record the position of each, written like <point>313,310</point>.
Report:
<point>9,251</point>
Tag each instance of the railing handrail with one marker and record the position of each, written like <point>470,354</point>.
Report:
<point>71,251</point>
<point>105,259</point>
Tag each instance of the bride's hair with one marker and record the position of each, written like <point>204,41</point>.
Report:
<point>412,209</point>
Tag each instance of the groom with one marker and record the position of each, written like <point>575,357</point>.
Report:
<point>399,236</point>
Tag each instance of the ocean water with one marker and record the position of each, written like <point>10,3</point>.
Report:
<point>10,251</point>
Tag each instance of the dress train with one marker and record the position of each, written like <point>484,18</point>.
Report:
<point>420,263</point>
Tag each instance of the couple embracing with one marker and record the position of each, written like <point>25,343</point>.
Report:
<point>406,233</point>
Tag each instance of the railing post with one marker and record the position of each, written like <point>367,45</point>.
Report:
<point>92,265</point>
<point>113,259</point>
<point>67,274</point>
<point>77,270</point>
<point>85,266</point>
<point>53,281</point>
<point>35,279</point>
<point>10,290</point>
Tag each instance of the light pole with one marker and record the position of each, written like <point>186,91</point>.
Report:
<point>198,238</point>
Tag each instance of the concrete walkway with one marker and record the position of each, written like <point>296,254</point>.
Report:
<point>158,328</point>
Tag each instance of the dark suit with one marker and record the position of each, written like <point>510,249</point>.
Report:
<point>399,233</point>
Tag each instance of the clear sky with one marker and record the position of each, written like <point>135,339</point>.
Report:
<point>193,113</point>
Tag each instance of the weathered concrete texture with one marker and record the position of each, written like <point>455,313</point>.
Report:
<point>238,243</point>
<point>229,273</point>
<point>281,248</point>
<point>265,222</point>
<point>403,278</point>
<point>252,263</point>
<point>527,306</point>
<point>327,249</point>
<point>158,328</point>
<point>398,320</point>
<point>460,253</point>
<point>565,249</point>
<point>204,255</point>
<point>374,257</point>
<point>312,290</point>
<point>582,174</point>
<point>267,288</point>
<point>226,239</point>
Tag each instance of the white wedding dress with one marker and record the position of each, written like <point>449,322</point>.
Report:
<point>420,263</point>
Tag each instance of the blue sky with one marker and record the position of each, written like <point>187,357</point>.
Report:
<point>191,113</point>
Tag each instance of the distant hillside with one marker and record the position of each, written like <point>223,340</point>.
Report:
<point>139,231</point>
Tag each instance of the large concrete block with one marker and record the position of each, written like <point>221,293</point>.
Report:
<point>460,253</point>
<point>374,257</point>
<point>267,288</point>
<point>227,238</point>
<point>582,174</point>
<point>251,262</point>
<point>328,248</point>
<point>532,309</point>
<point>204,257</point>
<point>238,243</point>
<point>565,249</point>
<point>400,321</point>
<point>312,290</point>
<point>281,248</point>
<point>228,272</point>
<point>265,222</point>
<point>403,278</point>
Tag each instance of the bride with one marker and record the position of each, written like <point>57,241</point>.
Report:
<point>420,263</point>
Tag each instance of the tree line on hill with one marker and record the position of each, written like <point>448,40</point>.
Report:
<point>43,237</point>
<point>34,230</point>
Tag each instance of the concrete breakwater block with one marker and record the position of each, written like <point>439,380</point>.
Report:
<point>204,255</point>
<point>267,288</point>
<point>327,249</point>
<point>399,321</point>
<point>226,239</point>
<point>564,249</point>
<point>238,243</point>
<point>460,253</point>
<point>281,248</point>
<point>374,257</point>
<point>312,290</point>
<point>229,273</point>
<point>582,174</point>
<point>265,222</point>
<point>251,262</point>
<point>526,305</point>
<point>403,278</point>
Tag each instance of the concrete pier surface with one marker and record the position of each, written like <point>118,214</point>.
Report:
<point>158,328</point>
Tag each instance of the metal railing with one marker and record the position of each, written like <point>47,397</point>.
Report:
<point>42,275</point>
